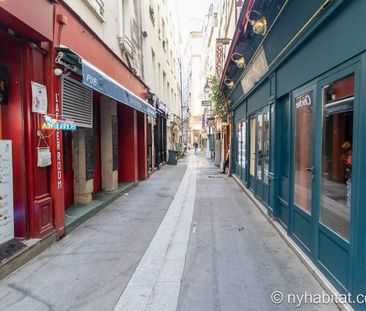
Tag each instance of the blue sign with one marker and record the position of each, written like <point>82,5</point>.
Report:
<point>99,81</point>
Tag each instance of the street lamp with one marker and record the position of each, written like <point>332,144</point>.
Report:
<point>207,88</point>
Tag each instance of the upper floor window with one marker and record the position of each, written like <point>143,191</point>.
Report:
<point>97,7</point>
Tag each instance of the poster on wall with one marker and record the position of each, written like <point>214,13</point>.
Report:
<point>39,98</point>
<point>6,192</point>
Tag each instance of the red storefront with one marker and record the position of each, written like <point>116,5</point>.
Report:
<point>30,43</point>
<point>114,127</point>
<point>25,54</point>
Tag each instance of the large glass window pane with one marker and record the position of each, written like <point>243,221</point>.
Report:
<point>243,148</point>
<point>252,145</point>
<point>336,179</point>
<point>303,151</point>
<point>266,146</point>
<point>238,131</point>
<point>259,146</point>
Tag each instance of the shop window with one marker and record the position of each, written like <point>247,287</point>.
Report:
<point>239,142</point>
<point>266,130</point>
<point>259,146</point>
<point>243,148</point>
<point>337,144</point>
<point>252,145</point>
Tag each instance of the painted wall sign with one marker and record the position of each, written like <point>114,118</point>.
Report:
<point>305,100</point>
<point>255,71</point>
<point>6,192</point>
<point>39,98</point>
<point>58,124</point>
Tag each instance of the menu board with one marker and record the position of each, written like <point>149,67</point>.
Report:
<point>6,192</point>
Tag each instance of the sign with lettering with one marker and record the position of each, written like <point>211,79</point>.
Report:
<point>39,98</point>
<point>6,192</point>
<point>58,124</point>
<point>206,103</point>
<point>305,100</point>
<point>58,146</point>
<point>255,71</point>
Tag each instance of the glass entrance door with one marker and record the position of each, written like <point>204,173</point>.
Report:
<point>302,216</point>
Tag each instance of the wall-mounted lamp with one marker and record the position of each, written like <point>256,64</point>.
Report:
<point>239,60</point>
<point>259,25</point>
<point>59,72</point>
<point>229,83</point>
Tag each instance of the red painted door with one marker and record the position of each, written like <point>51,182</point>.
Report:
<point>97,181</point>
<point>68,172</point>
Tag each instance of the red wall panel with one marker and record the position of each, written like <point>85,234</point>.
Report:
<point>12,128</point>
<point>127,144</point>
<point>142,145</point>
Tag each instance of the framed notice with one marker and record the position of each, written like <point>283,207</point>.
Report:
<point>39,98</point>
<point>6,192</point>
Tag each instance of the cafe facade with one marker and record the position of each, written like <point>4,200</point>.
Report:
<point>298,135</point>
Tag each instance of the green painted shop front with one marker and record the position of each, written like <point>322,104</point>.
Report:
<point>299,140</point>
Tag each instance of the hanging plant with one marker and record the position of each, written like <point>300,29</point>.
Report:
<point>217,97</point>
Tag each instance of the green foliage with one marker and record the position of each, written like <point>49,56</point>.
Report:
<point>217,97</point>
<point>180,149</point>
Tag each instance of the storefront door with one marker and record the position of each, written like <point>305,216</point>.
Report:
<point>259,154</point>
<point>322,177</point>
<point>302,218</point>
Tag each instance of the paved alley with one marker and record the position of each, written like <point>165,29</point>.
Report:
<point>186,239</point>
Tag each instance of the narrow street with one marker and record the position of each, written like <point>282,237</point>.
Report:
<point>186,239</point>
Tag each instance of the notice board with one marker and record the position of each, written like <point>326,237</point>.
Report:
<point>6,192</point>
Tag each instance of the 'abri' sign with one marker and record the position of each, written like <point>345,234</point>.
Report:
<point>305,100</point>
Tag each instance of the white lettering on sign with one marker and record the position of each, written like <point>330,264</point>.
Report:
<point>58,147</point>
<point>303,101</point>
<point>91,80</point>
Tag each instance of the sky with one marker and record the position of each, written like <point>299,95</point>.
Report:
<point>190,12</point>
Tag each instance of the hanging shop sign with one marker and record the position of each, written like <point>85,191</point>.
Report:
<point>6,192</point>
<point>58,124</point>
<point>39,98</point>
<point>206,103</point>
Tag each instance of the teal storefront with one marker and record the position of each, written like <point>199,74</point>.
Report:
<point>299,129</point>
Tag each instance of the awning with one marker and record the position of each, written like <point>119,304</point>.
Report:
<point>99,81</point>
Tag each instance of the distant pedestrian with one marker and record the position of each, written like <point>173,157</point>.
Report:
<point>195,145</point>
<point>226,163</point>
